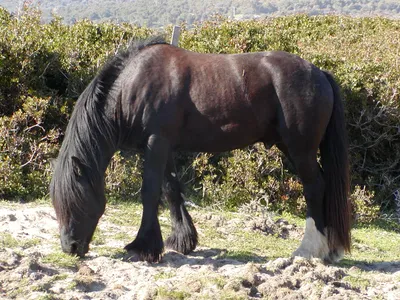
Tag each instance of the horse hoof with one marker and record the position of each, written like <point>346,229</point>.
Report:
<point>331,257</point>
<point>180,245</point>
<point>145,254</point>
<point>335,255</point>
<point>302,253</point>
<point>183,238</point>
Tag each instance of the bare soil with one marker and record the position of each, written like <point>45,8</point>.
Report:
<point>30,267</point>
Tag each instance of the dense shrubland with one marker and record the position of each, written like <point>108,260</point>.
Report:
<point>44,67</point>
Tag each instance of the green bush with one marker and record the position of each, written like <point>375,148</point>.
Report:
<point>124,177</point>
<point>364,208</point>
<point>45,67</point>
<point>362,53</point>
<point>25,149</point>
<point>251,174</point>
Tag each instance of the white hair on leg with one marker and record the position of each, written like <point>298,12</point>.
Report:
<point>314,243</point>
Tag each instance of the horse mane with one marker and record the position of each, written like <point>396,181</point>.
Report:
<point>90,131</point>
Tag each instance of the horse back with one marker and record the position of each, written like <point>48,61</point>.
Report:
<point>210,102</point>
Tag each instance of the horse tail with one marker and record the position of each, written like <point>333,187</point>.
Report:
<point>335,164</point>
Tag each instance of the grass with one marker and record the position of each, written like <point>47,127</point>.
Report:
<point>203,285</point>
<point>164,293</point>
<point>99,237</point>
<point>124,213</point>
<point>242,256</point>
<point>84,282</point>
<point>8,241</point>
<point>358,281</point>
<point>21,289</point>
<point>58,277</point>
<point>216,280</point>
<point>201,281</point>
<point>123,236</point>
<point>164,275</point>
<point>107,251</point>
<point>372,243</point>
<point>47,284</point>
<point>47,297</point>
<point>62,260</point>
<point>240,243</point>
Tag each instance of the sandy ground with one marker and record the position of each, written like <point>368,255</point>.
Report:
<point>204,274</point>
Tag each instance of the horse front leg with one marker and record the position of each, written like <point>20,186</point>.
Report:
<point>183,237</point>
<point>148,243</point>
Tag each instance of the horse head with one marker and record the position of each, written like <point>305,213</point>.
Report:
<point>79,202</point>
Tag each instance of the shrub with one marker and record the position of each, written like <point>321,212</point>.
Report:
<point>364,208</point>
<point>363,60</point>
<point>25,149</point>
<point>251,174</point>
<point>45,67</point>
<point>123,176</point>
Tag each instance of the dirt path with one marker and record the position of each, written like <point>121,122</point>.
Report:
<point>32,267</point>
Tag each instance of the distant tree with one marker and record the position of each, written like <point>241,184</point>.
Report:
<point>107,13</point>
<point>156,13</point>
<point>94,16</point>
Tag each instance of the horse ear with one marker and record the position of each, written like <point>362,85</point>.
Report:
<point>77,166</point>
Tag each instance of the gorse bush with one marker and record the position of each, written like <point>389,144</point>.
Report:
<point>44,68</point>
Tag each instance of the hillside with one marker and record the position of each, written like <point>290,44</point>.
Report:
<point>157,13</point>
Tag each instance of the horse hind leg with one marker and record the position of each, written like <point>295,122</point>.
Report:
<point>315,241</point>
<point>183,237</point>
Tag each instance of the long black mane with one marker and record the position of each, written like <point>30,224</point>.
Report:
<point>90,132</point>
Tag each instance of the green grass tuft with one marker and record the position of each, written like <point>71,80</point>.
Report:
<point>62,260</point>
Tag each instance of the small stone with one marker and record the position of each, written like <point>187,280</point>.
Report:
<point>12,217</point>
<point>246,283</point>
<point>354,269</point>
<point>194,286</point>
<point>36,276</point>
<point>254,292</point>
<point>85,271</point>
<point>232,285</point>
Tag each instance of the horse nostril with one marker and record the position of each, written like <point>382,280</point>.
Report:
<point>74,247</point>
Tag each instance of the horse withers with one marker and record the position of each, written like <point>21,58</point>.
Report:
<point>159,98</point>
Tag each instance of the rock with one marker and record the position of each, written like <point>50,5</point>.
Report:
<point>232,285</point>
<point>12,218</point>
<point>36,276</point>
<point>85,271</point>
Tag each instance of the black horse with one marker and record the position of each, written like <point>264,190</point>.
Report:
<point>159,98</point>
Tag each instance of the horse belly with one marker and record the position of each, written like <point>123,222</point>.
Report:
<point>208,137</point>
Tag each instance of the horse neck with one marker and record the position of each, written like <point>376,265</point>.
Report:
<point>94,144</point>
<point>100,156</point>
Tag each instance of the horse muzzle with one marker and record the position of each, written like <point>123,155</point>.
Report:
<point>75,248</point>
